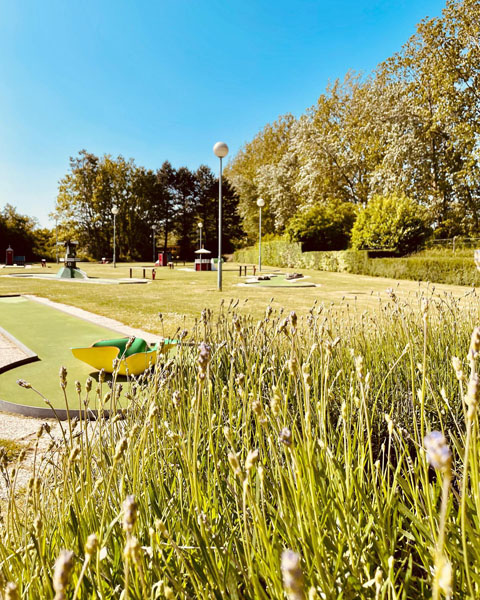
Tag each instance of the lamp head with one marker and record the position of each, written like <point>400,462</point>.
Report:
<point>220,149</point>
<point>200,225</point>
<point>114,210</point>
<point>260,202</point>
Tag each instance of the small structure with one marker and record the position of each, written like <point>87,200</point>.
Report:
<point>9,256</point>
<point>163,259</point>
<point>70,269</point>
<point>202,262</point>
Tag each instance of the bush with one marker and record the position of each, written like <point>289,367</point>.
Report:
<point>454,270</point>
<point>390,222</point>
<point>323,226</point>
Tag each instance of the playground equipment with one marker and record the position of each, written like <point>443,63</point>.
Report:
<point>70,269</point>
<point>134,358</point>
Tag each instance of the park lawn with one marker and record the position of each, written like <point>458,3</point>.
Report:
<point>50,333</point>
<point>180,295</point>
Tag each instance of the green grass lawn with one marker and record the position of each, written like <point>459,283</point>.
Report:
<point>180,295</point>
<point>50,334</point>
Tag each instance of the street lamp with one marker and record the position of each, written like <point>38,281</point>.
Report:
<point>200,227</point>
<point>154,228</point>
<point>221,150</point>
<point>56,238</point>
<point>260,204</point>
<point>114,213</point>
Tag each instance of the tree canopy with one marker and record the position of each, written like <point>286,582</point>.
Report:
<point>166,203</point>
<point>411,127</point>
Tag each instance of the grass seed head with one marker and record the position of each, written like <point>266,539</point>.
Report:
<point>439,454</point>
<point>120,449</point>
<point>11,591</point>
<point>204,356</point>
<point>285,437</point>
<point>63,377</point>
<point>457,366</point>
<point>130,511</point>
<point>443,575</point>
<point>62,572</point>
<point>276,401</point>
<point>252,459</point>
<point>24,384</point>
<point>235,464</point>
<point>474,343</point>
<point>292,575</point>
<point>91,545</point>
<point>471,399</point>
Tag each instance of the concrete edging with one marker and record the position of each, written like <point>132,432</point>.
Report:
<point>31,356</point>
<point>40,412</point>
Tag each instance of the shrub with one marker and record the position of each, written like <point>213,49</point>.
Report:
<point>390,222</point>
<point>323,226</point>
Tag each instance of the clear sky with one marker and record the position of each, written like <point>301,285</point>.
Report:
<point>159,80</point>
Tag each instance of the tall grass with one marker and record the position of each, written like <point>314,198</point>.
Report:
<point>275,458</point>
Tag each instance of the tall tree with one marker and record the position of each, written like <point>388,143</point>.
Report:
<point>185,202</point>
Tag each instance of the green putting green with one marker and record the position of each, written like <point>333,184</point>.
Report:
<point>281,281</point>
<point>50,333</point>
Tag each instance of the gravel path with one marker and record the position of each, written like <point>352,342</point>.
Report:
<point>9,351</point>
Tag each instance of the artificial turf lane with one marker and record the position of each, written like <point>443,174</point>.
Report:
<point>50,333</point>
<point>281,281</point>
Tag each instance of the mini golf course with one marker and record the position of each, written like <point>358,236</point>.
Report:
<point>49,333</point>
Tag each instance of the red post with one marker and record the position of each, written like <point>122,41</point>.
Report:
<point>153,274</point>
<point>254,269</point>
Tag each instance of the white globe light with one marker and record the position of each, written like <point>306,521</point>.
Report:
<point>200,225</point>
<point>114,210</point>
<point>220,149</point>
<point>260,202</point>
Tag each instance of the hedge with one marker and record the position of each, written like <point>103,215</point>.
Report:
<point>441,269</point>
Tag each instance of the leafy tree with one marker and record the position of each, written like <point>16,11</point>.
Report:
<point>163,201</point>
<point>19,232</point>
<point>323,226</point>
<point>253,168</point>
<point>393,222</point>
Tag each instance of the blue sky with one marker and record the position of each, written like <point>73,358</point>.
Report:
<point>166,79</point>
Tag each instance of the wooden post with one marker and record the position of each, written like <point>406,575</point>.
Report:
<point>130,272</point>
<point>144,274</point>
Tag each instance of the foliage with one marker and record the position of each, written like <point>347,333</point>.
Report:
<point>435,267</point>
<point>262,169</point>
<point>170,200</point>
<point>454,271</point>
<point>24,236</point>
<point>323,226</point>
<point>278,435</point>
<point>411,126</point>
<point>390,222</point>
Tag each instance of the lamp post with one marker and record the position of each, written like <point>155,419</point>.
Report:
<point>221,150</point>
<point>154,229</point>
<point>56,239</point>
<point>114,213</point>
<point>200,227</point>
<point>260,204</point>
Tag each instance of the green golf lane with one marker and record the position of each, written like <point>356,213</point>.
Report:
<point>50,333</point>
<point>281,281</point>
